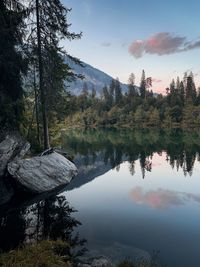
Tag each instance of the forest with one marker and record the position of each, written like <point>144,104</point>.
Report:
<point>34,94</point>
<point>32,60</point>
<point>98,132</point>
<point>139,107</point>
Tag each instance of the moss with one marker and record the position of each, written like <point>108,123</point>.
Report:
<point>126,263</point>
<point>44,254</point>
<point>139,263</point>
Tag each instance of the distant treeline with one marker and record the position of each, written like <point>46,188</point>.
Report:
<point>139,107</point>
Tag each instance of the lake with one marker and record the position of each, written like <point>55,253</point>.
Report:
<point>136,192</point>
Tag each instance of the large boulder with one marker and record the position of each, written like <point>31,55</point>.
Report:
<point>11,147</point>
<point>42,173</point>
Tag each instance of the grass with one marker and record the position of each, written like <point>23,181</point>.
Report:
<point>43,254</point>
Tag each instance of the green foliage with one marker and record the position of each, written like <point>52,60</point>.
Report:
<point>126,263</point>
<point>43,254</point>
<point>12,63</point>
<point>143,85</point>
<point>178,109</point>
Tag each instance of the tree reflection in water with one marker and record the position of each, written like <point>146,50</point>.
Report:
<point>49,219</point>
<point>112,147</point>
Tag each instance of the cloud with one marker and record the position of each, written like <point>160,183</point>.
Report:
<point>137,48</point>
<point>154,80</point>
<point>161,199</point>
<point>106,44</point>
<point>163,43</point>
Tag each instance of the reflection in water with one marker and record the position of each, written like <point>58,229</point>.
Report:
<point>12,230</point>
<point>113,147</point>
<point>156,213</point>
<point>161,199</point>
<point>50,218</point>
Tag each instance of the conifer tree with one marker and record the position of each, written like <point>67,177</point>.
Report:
<point>143,85</point>
<point>12,62</point>
<point>178,84</point>
<point>182,93</point>
<point>49,26</point>
<point>190,91</point>
<point>131,85</point>
<point>118,92</point>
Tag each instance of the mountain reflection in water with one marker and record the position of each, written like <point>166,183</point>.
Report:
<point>97,151</point>
<point>138,189</point>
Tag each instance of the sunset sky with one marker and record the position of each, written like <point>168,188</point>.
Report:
<point>123,36</point>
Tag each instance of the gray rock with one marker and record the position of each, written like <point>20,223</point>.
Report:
<point>116,253</point>
<point>13,146</point>
<point>98,261</point>
<point>42,173</point>
<point>101,262</point>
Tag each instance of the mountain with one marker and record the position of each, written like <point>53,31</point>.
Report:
<point>92,76</point>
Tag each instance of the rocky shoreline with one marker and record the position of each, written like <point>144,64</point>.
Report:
<point>37,174</point>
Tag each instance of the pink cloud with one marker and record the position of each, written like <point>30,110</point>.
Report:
<point>154,80</point>
<point>162,43</point>
<point>137,48</point>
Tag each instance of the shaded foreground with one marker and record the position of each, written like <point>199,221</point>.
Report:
<point>46,254</point>
<point>55,254</point>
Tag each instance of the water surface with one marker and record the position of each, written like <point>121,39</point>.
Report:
<point>138,190</point>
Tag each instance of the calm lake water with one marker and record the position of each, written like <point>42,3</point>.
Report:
<point>136,192</point>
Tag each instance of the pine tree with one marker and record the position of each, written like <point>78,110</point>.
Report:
<point>143,85</point>
<point>111,92</point>
<point>118,92</point>
<point>12,62</point>
<point>172,87</point>
<point>190,91</point>
<point>49,25</point>
<point>131,85</point>
<point>178,84</point>
<point>107,98</point>
<point>182,93</point>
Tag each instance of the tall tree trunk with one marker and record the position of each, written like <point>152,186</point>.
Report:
<point>36,108</point>
<point>41,83</point>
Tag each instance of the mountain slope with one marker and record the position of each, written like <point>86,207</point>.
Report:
<point>92,76</point>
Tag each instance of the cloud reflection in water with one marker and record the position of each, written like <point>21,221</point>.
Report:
<point>161,198</point>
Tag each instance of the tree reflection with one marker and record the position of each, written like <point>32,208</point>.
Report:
<point>50,219</point>
<point>12,230</point>
<point>115,146</point>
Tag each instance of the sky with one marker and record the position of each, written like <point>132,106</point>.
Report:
<point>121,37</point>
